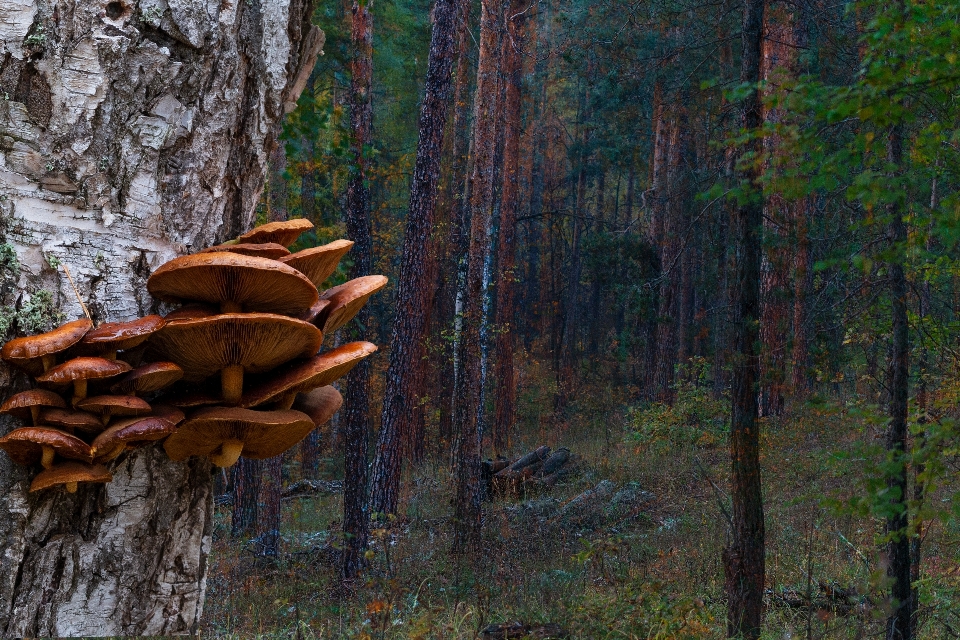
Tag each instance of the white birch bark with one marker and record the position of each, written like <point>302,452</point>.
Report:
<point>131,131</point>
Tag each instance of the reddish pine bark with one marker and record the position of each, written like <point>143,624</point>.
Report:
<point>246,493</point>
<point>404,385</point>
<point>802,287</point>
<point>356,418</point>
<point>744,562</point>
<point>268,522</point>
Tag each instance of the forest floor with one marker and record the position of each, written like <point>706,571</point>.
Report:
<point>642,560</point>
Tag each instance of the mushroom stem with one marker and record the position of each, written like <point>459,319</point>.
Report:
<point>48,361</point>
<point>71,487</point>
<point>285,402</point>
<point>230,307</point>
<point>79,390</point>
<point>46,458</point>
<point>110,355</point>
<point>116,451</point>
<point>229,453</point>
<point>231,383</point>
<point>35,414</point>
<point>105,416</point>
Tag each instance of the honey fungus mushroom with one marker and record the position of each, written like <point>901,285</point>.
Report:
<point>320,404</point>
<point>79,370</point>
<point>346,301</point>
<point>236,282</point>
<point>225,433</point>
<point>37,354</point>
<point>28,446</point>
<point>270,250</point>
<point>26,405</point>
<point>317,263</point>
<point>111,337</point>
<point>283,385</point>
<point>70,474</point>
<point>284,232</point>
<point>235,343</point>
<point>109,406</point>
<point>71,421</point>
<point>148,378</point>
<point>130,433</point>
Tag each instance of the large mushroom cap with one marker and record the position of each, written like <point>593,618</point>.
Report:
<point>111,337</point>
<point>284,233</point>
<point>318,263</point>
<point>70,474</point>
<point>26,405</point>
<point>347,299</point>
<point>171,414</point>
<point>270,250</point>
<point>130,432</point>
<point>71,420</point>
<point>35,354</point>
<point>108,406</point>
<point>320,404</point>
<point>148,378</point>
<point>234,281</point>
<point>318,371</point>
<point>26,446</point>
<point>222,432</point>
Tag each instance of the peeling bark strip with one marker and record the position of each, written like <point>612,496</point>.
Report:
<point>132,133</point>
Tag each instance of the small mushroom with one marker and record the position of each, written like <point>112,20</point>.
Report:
<point>318,263</point>
<point>71,421</point>
<point>320,404</point>
<point>37,354</point>
<point>148,378</point>
<point>109,406</point>
<point>111,337</point>
<point>235,343</point>
<point>224,433</point>
<point>346,301</point>
<point>26,405</point>
<point>192,312</point>
<point>235,282</point>
<point>129,433</point>
<point>30,445</point>
<point>282,386</point>
<point>270,250</point>
<point>314,312</point>
<point>80,370</point>
<point>284,232</point>
<point>70,474</point>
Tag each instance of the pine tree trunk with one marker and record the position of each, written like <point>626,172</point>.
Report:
<point>119,158</point>
<point>404,385</point>
<point>744,562</point>
<point>247,480</point>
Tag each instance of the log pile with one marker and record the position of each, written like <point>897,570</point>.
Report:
<point>538,468</point>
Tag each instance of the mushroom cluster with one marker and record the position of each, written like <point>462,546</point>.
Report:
<point>235,371</point>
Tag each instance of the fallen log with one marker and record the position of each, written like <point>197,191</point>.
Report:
<point>554,462</point>
<point>537,455</point>
<point>305,488</point>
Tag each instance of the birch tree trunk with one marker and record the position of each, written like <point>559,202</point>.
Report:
<point>131,133</point>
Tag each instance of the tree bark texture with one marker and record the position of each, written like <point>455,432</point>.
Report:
<point>506,390</point>
<point>356,416</point>
<point>468,515</point>
<point>247,479</point>
<point>404,384</point>
<point>137,135</point>
<point>744,562</point>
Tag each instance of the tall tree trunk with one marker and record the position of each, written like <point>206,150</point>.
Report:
<point>247,477</point>
<point>140,164</point>
<point>802,288</point>
<point>467,510</point>
<point>356,416</point>
<point>506,391</point>
<point>405,374</point>
<point>744,562</point>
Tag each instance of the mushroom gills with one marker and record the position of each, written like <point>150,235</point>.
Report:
<point>229,453</point>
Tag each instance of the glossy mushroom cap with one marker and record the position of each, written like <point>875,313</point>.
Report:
<point>36,354</point>
<point>70,474</point>
<point>235,282</point>
<point>320,404</point>
<point>171,414</point>
<point>316,311</point>
<point>283,385</point>
<point>223,433</point>
<point>192,312</point>
<point>26,405</point>
<point>70,420</point>
<point>148,378</point>
<point>79,370</point>
<point>284,233</point>
<point>235,343</point>
<point>130,432</point>
<point>318,263</point>
<point>270,250</point>
<point>31,445</point>
<point>347,299</point>
<point>111,337</point>
<point>108,406</point>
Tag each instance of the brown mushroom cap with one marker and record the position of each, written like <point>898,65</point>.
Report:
<point>107,406</point>
<point>71,420</point>
<point>148,378</point>
<point>25,446</point>
<point>130,432</point>
<point>263,434</point>
<point>270,250</point>
<point>318,263</point>
<point>29,353</point>
<point>24,404</point>
<point>166,412</point>
<point>285,232</point>
<point>111,337</point>
<point>318,371</point>
<point>69,474</point>
<point>346,301</point>
<point>234,281</point>
<point>314,312</point>
<point>190,399</point>
<point>192,312</point>
<point>83,369</point>
<point>320,404</point>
